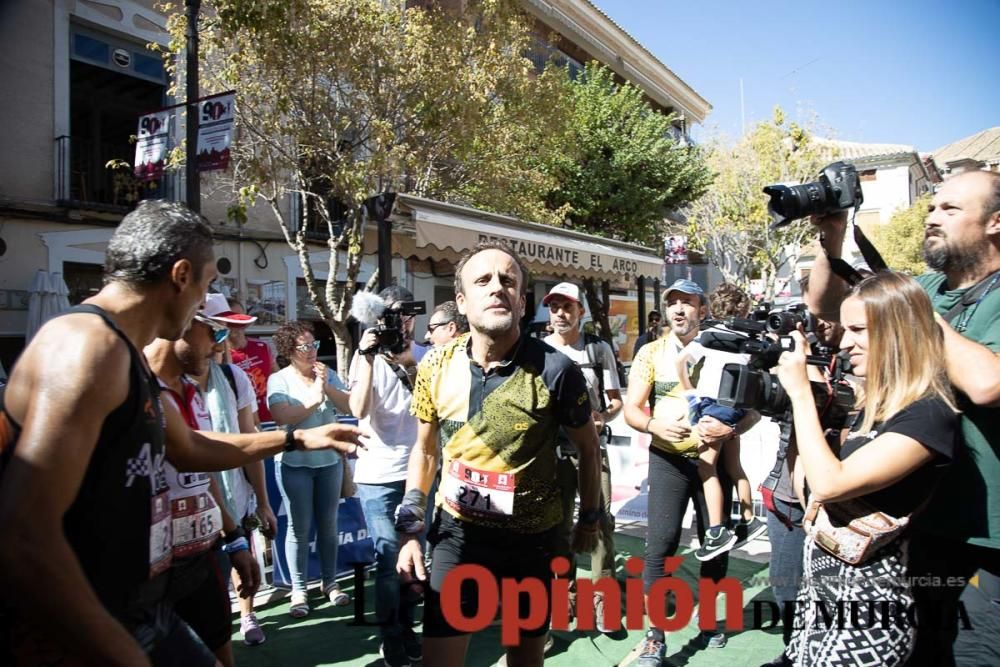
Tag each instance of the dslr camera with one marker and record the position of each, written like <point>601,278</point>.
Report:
<point>754,387</point>
<point>838,187</point>
<point>390,326</point>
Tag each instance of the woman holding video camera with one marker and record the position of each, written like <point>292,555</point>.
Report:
<point>853,602</point>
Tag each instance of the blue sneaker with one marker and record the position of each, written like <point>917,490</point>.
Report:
<point>653,652</point>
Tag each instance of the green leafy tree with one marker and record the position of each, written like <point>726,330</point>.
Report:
<point>622,171</point>
<point>338,100</point>
<point>626,171</point>
<point>730,223</point>
<point>901,240</point>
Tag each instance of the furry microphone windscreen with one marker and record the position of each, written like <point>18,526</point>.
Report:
<point>367,308</point>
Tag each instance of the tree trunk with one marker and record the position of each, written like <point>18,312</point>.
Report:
<point>345,347</point>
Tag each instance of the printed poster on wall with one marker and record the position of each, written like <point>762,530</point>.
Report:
<point>215,131</point>
<point>152,145</point>
<point>675,249</point>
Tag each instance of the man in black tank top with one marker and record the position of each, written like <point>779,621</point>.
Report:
<point>83,439</point>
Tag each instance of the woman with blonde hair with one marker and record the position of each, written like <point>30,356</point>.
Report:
<point>889,461</point>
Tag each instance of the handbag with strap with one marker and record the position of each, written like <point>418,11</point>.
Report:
<point>851,530</point>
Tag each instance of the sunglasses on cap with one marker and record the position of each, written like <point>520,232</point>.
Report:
<point>305,347</point>
<point>219,332</point>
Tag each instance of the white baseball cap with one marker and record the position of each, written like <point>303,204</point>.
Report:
<point>217,308</point>
<point>568,290</point>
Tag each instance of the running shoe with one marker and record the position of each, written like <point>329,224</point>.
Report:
<point>250,629</point>
<point>393,652</point>
<point>747,531</point>
<point>716,543</point>
<point>653,652</point>
<point>710,639</point>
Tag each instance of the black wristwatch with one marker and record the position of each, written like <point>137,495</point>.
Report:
<point>290,438</point>
<point>591,516</point>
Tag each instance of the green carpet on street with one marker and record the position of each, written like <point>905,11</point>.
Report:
<point>328,637</point>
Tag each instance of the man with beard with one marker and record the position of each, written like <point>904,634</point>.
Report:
<point>959,533</point>
<point>199,575</point>
<point>673,454</point>
<point>597,361</point>
<point>499,400</point>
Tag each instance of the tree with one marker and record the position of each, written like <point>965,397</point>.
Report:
<point>338,100</point>
<point>730,223</point>
<point>623,171</point>
<point>626,171</point>
<point>901,240</point>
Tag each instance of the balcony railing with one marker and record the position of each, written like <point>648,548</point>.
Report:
<point>84,179</point>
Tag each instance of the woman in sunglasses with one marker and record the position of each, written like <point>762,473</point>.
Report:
<point>307,393</point>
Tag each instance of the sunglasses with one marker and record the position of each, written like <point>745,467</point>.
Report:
<point>305,347</point>
<point>219,332</point>
<point>434,325</point>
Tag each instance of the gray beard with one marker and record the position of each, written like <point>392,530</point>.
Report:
<point>948,259</point>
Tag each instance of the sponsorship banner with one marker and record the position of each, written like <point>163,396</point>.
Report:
<point>215,131</point>
<point>152,144</point>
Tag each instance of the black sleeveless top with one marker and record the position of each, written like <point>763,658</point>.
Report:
<point>119,525</point>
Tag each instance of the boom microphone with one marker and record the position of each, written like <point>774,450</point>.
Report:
<point>367,308</point>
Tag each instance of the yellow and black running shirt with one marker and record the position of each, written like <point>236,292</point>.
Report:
<point>656,364</point>
<point>499,430</point>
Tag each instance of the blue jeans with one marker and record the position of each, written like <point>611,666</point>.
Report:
<point>786,557</point>
<point>393,606</point>
<point>311,495</point>
<point>709,407</point>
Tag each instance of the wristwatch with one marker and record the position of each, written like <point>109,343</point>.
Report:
<point>290,438</point>
<point>591,516</point>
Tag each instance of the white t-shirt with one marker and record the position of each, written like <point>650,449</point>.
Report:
<point>606,358</point>
<point>710,378</point>
<point>393,429</point>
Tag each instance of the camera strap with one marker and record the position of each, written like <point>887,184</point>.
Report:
<point>971,299</point>
<point>773,478</point>
<point>869,252</point>
<point>401,373</point>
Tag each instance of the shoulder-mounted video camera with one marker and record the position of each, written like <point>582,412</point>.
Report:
<point>390,325</point>
<point>753,387</point>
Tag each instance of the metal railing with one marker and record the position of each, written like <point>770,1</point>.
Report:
<point>83,177</point>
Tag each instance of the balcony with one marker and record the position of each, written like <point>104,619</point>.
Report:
<point>85,181</point>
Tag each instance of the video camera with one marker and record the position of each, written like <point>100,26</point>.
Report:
<point>838,187</point>
<point>390,325</point>
<point>753,387</point>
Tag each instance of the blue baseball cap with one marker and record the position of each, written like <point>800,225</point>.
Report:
<point>688,287</point>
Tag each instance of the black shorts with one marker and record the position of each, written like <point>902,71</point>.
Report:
<point>199,592</point>
<point>505,554</point>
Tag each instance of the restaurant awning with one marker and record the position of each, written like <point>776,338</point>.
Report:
<point>445,231</point>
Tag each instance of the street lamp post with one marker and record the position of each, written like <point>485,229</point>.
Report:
<point>191,176</point>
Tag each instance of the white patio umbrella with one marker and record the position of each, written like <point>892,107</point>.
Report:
<point>47,298</point>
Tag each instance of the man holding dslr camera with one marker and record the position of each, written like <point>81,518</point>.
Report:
<point>381,385</point>
<point>960,531</point>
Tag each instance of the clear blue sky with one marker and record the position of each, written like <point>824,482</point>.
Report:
<point>914,72</point>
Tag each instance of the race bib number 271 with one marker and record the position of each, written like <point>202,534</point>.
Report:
<point>473,492</point>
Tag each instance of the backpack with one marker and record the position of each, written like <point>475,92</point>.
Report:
<point>592,345</point>
<point>227,370</point>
